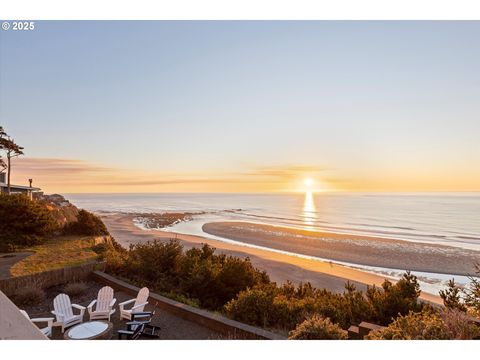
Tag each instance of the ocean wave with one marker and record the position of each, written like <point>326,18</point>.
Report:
<point>469,238</point>
<point>383,226</point>
<point>320,225</point>
<point>448,219</point>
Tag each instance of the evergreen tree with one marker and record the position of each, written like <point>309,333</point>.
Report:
<point>12,149</point>
<point>472,292</point>
<point>3,165</point>
<point>451,297</point>
<point>23,222</point>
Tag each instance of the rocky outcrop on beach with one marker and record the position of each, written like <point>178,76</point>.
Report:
<point>162,220</point>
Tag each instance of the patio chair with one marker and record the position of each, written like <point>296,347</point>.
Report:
<point>104,304</point>
<point>64,311</point>
<point>140,326</point>
<point>132,332</point>
<point>47,331</point>
<point>138,304</point>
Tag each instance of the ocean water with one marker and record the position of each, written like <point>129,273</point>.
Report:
<point>448,218</point>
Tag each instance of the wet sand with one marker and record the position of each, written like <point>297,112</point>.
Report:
<point>356,249</point>
<point>280,267</point>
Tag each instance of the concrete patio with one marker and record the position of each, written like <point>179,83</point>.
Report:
<point>172,326</point>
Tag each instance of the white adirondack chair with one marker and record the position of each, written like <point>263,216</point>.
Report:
<point>104,304</point>
<point>47,331</point>
<point>64,311</point>
<point>138,304</point>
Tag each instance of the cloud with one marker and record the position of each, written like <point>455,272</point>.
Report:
<point>284,172</point>
<point>82,173</point>
<point>53,173</point>
<point>56,166</point>
<point>150,182</point>
<point>71,175</point>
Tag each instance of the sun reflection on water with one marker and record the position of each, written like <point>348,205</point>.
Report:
<point>309,211</point>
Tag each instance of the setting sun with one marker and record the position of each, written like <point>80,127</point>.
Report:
<point>308,182</point>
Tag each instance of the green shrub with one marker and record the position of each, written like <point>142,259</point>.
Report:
<point>154,263</point>
<point>115,261</point>
<point>355,307</point>
<point>86,224</point>
<point>100,249</point>
<point>236,275</point>
<point>246,294</point>
<point>31,295</point>
<point>451,297</point>
<point>459,324</point>
<point>76,288</point>
<point>216,279</point>
<point>318,328</point>
<point>472,293</point>
<point>467,299</point>
<point>196,273</point>
<point>253,306</point>
<point>286,306</point>
<point>426,325</point>
<point>23,222</point>
<point>283,307</point>
<point>394,299</point>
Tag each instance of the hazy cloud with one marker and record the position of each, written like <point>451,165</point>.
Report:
<point>57,166</point>
<point>55,174</point>
<point>284,172</point>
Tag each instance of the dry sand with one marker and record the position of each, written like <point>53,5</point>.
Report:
<point>280,267</point>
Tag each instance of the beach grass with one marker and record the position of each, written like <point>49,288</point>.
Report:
<point>56,253</point>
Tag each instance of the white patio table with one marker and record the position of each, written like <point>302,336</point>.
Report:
<point>91,330</point>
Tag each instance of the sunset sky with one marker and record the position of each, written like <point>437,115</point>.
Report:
<point>244,106</point>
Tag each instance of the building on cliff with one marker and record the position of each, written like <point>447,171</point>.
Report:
<point>16,189</point>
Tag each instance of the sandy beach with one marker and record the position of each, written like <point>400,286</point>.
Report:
<point>280,267</point>
<point>356,249</point>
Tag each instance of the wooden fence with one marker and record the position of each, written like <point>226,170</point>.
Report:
<point>49,278</point>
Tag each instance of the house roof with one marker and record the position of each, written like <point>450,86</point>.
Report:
<point>19,187</point>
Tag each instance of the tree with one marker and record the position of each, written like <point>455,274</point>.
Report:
<point>451,297</point>
<point>3,166</point>
<point>87,224</point>
<point>472,292</point>
<point>12,149</point>
<point>393,299</point>
<point>23,222</point>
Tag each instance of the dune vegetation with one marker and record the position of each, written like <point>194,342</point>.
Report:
<point>242,292</point>
<point>58,236</point>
